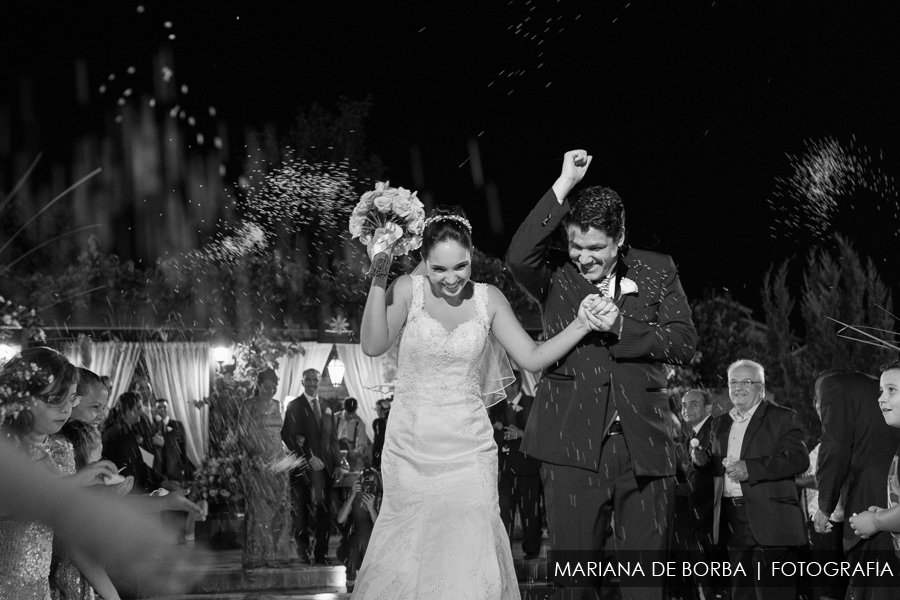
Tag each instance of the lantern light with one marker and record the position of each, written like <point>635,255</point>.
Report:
<point>336,371</point>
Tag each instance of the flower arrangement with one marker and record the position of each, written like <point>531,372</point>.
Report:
<point>388,220</point>
<point>261,353</point>
<point>217,478</point>
<point>18,386</point>
<point>14,316</point>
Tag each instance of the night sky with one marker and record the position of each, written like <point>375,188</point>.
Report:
<point>689,108</point>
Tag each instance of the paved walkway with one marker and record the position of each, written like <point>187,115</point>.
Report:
<point>218,574</point>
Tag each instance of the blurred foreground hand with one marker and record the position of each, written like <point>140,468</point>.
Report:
<point>101,526</point>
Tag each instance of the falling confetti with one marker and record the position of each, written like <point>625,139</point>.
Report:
<point>826,175</point>
<point>249,238</point>
<point>302,192</point>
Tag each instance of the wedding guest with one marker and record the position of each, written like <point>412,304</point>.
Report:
<point>122,444</point>
<point>39,392</point>
<point>691,528</point>
<point>176,469</point>
<point>519,484</point>
<point>266,527</point>
<point>309,432</point>
<point>869,523</point>
<point>150,440</point>
<point>600,423</point>
<point>93,398</point>
<point>352,436</point>
<point>98,526</point>
<point>67,581</point>
<point>379,426</point>
<point>756,451</point>
<point>361,507</point>
<point>825,545</point>
<point>87,444</point>
<point>855,452</point>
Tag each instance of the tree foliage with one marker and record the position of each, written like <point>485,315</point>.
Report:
<point>726,332</point>
<point>837,286</point>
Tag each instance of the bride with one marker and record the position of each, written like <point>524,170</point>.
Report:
<point>439,532</point>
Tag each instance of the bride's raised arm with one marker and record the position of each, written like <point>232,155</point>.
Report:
<point>385,314</point>
<point>519,345</point>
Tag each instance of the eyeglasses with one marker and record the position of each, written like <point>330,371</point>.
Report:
<point>742,384</point>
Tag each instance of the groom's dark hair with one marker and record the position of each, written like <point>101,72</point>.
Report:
<point>598,207</point>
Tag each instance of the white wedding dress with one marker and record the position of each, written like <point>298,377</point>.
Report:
<point>439,533</point>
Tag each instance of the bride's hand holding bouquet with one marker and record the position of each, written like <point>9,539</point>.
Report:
<point>389,221</point>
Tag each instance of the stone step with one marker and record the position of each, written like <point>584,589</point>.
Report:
<point>218,574</point>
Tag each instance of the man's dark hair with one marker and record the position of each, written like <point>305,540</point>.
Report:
<point>600,208</point>
<point>707,397</point>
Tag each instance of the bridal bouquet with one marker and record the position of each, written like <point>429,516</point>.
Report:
<point>389,221</point>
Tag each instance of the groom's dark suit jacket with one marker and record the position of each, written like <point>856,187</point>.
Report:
<point>579,396</point>
<point>774,453</point>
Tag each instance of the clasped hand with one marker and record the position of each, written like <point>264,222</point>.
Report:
<point>512,433</point>
<point>864,524</point>
<point>737,471</point>
<point>598,313</point>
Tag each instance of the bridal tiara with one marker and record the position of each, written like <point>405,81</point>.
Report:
<point>456,218</point>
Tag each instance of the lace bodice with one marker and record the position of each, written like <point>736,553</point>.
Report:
<point>434,361</point>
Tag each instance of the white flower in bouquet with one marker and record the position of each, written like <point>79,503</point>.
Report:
<point>388,220</point>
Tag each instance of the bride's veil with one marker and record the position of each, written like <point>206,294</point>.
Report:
<point>496,371</point>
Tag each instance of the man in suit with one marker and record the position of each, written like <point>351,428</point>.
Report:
<point>855,454</point>
<point>519,483</point>
<point>174,466</point>
<point>691,529</point>
<point>309,431</point>
<point>149,440</point>
<point>757,449</point>
<point>600,424</point>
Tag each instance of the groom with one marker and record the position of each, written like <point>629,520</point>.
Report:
<point>600,419</point>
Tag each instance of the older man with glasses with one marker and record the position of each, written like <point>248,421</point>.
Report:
<point>757,449</point>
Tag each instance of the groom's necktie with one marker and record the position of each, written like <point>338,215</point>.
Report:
<point>317,410</point>
<point>604,285</point>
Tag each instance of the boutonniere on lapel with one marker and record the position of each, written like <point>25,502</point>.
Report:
<point>169,429</point>
<point>516,408</point>
<point>627,286</point>
<point>328,411</point>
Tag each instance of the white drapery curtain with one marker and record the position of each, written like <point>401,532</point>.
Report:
<point>116,360</point>
<point>180,372</point>
<point>290,369</point>
<point>362,372</point>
